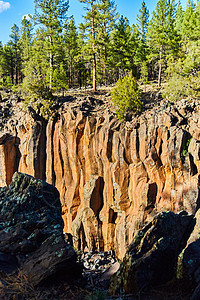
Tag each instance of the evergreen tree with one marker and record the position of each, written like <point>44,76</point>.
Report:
<point>123,47</point>
<point>142,21</point>
<point>51,14</point>
<point>190,38</point>
<point>183,73</point>
<point>71,48</point>
<point>107,17</point>
<point>179,17</point>
<point>189,23</point>
<point>141,55</point>
<point>26,39</point>
<point>1,63</point>
<point>6,67</point>
<point>16,59</point>
<point>89,28</point>
<point>36,83</point>
<point>162,36</point>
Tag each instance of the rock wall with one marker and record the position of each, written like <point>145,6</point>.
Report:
<point>112,177</point>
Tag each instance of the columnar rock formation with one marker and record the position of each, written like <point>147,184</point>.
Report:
<point>112,177</point>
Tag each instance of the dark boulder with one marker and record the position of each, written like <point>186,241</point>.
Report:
<point>31,231</point>
<point>152,257</point>
<point>188,269</point>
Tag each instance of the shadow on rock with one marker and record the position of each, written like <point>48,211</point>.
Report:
<point>152,257</point>
<point>31,233</point>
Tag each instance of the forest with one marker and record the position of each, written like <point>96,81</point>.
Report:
<point>50,53</point>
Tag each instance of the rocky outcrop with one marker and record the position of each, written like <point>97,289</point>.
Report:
<point>31,232</point>
<point>151,259</point>
<point>112,177</point>
<point>22,142</point>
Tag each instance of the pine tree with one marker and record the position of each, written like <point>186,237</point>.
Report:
<point>107,18</point>
<point>142,21</point>
<point>1,63</point>
<point>36,83</point>
<point>141,54</point>
<point>16,59</point>
<point>190,38</point>
<point>6,65</point>
<point>26,39</point>
<point>90,29</point>
<point>179,17</point>
<point>51,14</point>
<point>189,23</point>
<point>123,47</point>
<point>183,72</point>
<point>71,48</point>
<point>162,36</point>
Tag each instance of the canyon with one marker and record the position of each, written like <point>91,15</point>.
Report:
<point>113,176</point>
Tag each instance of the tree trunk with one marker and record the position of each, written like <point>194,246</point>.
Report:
<point>105,58</point>
<point>70,72</point>
<point>160,67</point>
<point>94,72</point>
<point>50,62</point>
<point>12,68</point>
<point>93,49</point>
<point>16,75</point>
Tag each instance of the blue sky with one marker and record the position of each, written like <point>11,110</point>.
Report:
<point>12,11</point>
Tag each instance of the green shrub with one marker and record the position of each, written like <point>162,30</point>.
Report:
<point>184,151</point>
<point>181,82</point>
<point>181,87</point>
<point>126,96</point>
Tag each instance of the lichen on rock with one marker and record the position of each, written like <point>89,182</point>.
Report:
<point>31,231</point>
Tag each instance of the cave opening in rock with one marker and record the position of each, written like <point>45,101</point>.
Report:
<point>151,198</point>
<point>82,238</point>
<point>96,201</point>
<point>96,204</point>
<point>193,167</point>
<point>112,216</point>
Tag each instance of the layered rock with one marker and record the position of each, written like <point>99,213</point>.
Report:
<point>31,232</point>
<point>113,177</point>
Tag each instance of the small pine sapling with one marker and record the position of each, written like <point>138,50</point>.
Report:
<point>126,96</point>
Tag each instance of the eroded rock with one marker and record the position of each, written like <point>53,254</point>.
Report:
<point>142,167</point>
<point>152,256</point>
<point>188,269</point>
<point>31,231</point>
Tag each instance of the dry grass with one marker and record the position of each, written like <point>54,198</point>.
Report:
<point>16,287</point>
<point>19,287</point>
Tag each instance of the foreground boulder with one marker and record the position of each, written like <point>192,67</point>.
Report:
<point>31,231</point>
<point>152,257</point>
<point>188,270</point>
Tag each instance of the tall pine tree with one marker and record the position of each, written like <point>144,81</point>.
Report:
<point>51,14</point>
<point>162,36</point>
<point>16,59</point>
<point>89,27</point>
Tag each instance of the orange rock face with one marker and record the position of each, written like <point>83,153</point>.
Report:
<point>113,177</point>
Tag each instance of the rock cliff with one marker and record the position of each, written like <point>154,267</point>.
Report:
<point>112,177</point>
